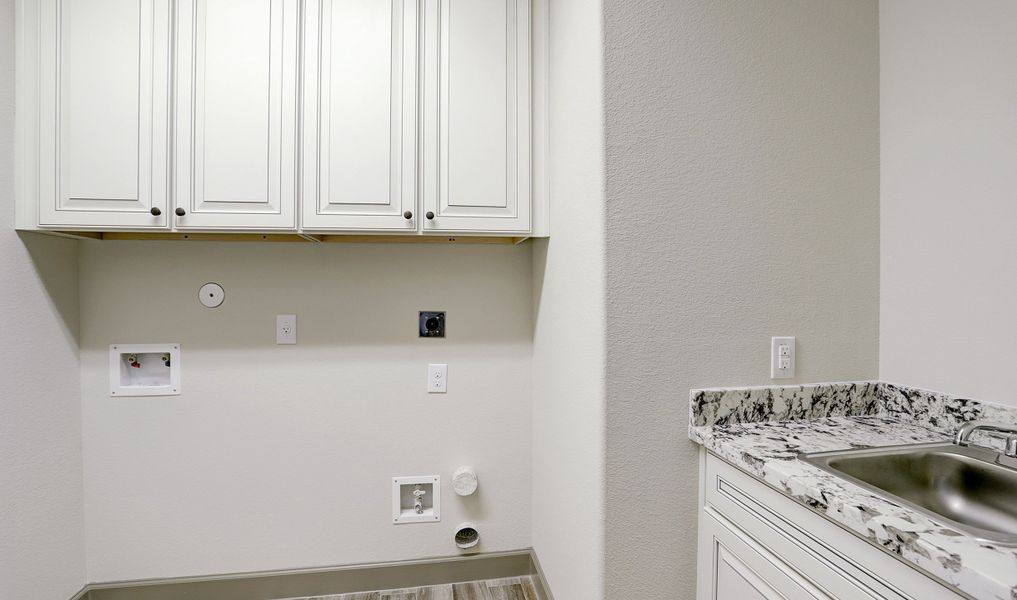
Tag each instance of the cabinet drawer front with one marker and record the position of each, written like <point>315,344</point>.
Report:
<point>237,70</point>
<point>839,562</point>
<point>477,115</point>
<point>360,107</point>
<point>104,95</point>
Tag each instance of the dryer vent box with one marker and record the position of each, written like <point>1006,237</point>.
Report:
<point>144,369</point>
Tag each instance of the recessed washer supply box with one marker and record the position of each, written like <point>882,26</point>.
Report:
<point>144,369</point>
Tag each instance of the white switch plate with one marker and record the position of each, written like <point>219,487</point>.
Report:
<point>782,358</point>
<point>286,329</point>
<point>437,379</point>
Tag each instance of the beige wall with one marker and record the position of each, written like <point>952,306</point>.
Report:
<point>949,196</point>
<point>742,203</point>
<point>280,457</point>
<point>42,548</point>
<point>568,353</point>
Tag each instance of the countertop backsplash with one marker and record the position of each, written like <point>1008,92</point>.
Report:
<point>933,410</point>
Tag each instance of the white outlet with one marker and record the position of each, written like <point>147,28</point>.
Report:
<point>782,358</point>
<point>437,379</point>
<point>286,329</point>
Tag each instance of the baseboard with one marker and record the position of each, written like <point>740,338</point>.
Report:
<point>538,577</point>
<point>271,585</point>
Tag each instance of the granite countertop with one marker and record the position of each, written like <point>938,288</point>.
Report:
<point>768,447</point>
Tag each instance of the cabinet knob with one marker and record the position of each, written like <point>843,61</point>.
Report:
<point>180,212</point>
<point>407,215</point>
<point>155,211</point>
<point>429,215</point>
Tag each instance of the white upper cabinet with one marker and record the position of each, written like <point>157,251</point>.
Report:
<point>410,117</point>
<point>102,113</point>
<point>236,114</point>
<point>360,106</point>
<point>476,98</point>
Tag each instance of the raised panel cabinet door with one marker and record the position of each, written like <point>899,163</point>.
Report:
<point>360,107</point>
<point>103,113</point>
<point>734,580</point>
<point>476,140</point>
<point>237,96</point>
<point>733,566</point>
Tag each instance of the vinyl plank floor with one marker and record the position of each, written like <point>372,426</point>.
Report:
<point>511,588</point>
<point>474,590</point>
<point>434,592</point>
<point>509,591</point>
<point>357,596</point>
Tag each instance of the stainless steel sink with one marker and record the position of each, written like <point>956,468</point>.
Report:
<point>970,488</point>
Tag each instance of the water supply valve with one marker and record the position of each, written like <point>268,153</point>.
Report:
<point>418,499</point>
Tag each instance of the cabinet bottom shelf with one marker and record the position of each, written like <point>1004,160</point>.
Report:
<point>289,237</point>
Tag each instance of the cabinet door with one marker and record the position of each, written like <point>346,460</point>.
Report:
<point>360,107</point>
<point>103,119</point>
<point>477,115</point>
<point>236,114</point>
<point>734,567</point>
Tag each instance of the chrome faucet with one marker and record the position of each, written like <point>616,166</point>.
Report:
<point>964,434</point>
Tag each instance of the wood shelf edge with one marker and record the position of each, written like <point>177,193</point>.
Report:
<point>290,237</point>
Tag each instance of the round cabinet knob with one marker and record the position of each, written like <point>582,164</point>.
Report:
<point>180,212</point>
<point>407,215</point>
<point>155,211</point>
<point>429,215</point>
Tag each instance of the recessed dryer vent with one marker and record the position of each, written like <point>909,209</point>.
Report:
<point>144,369</point>
<point>467,536</point>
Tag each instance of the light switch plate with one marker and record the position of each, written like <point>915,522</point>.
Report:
<point>782,358</point>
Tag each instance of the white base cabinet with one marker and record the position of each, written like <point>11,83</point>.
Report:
<point>757,544</point>
<point>741,569</point>
<point>408,117</point>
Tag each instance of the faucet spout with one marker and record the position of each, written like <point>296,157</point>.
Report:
<point>964,434</point>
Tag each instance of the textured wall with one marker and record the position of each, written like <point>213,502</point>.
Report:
<point>42,548</point>
<point>568,352</point>
<point>281,457</point>
<point>949,251</point>
<point>742,203</point>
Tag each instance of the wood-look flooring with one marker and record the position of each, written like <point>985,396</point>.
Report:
<point>512,588</point>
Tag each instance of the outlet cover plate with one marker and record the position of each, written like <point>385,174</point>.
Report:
<point>782,365</point>
<point>286,329</point>
<point>437,378</point>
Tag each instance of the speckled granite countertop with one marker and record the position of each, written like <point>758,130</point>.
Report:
<point>767,447</point>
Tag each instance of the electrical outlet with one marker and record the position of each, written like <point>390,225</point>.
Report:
<point>782,358</point>
<point>437,379</point>
<point>432,323</point>
<point>286,329</point>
